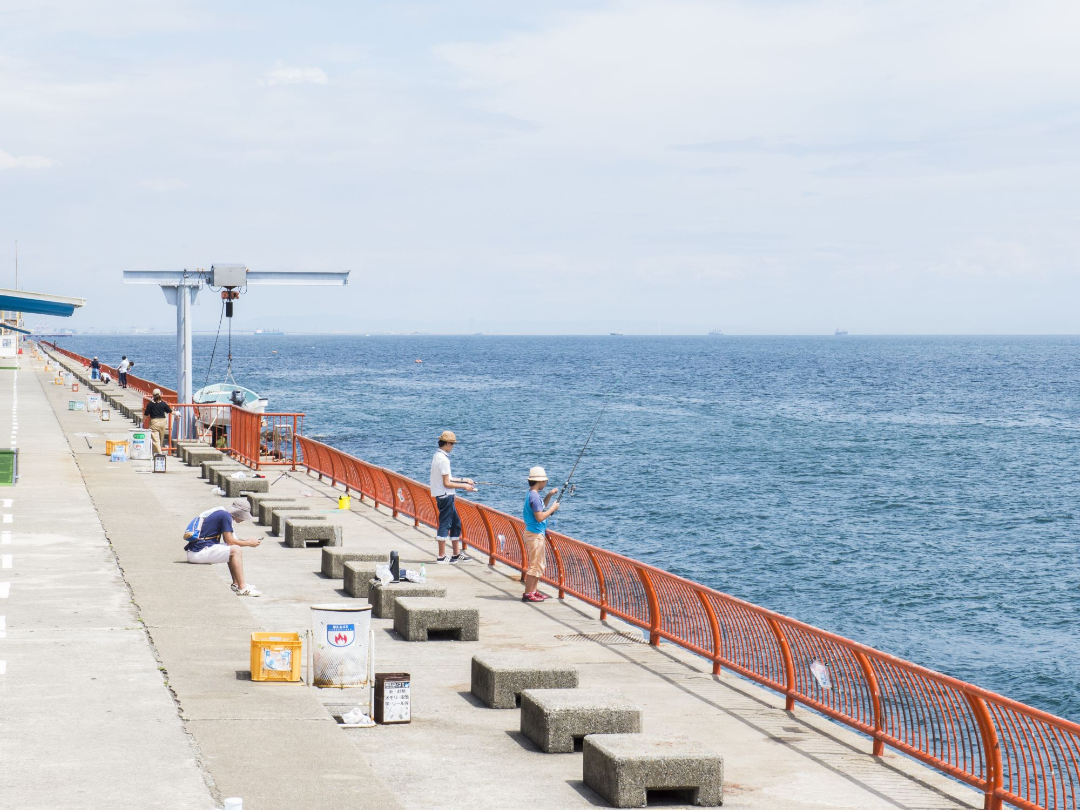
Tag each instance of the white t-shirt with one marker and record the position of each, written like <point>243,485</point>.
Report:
<point>123,367</point>
<point>440,466</point>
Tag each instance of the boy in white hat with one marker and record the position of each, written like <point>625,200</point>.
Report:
<point>536,514</point>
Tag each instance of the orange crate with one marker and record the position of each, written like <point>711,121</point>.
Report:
<point>276,656</point>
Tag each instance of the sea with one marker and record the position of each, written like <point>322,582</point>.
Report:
<point>917,494</point>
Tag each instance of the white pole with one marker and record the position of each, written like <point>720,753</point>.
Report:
<point>371,674</point>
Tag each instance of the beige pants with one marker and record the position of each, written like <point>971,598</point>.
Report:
<point>536,547</point>
<point>157,433</point>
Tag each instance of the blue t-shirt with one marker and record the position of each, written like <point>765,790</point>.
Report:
<point>534,503</point>
<point>209,526</point>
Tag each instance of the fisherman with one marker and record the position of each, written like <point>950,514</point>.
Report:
<point>210,540</point>
<point>122,371</point>
<point>158,411</point>
<point>442,490</point>
<point>95,369</point>
<point>536,514</point>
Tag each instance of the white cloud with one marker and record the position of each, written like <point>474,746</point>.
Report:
<point>24,162</point>
<point>295,75</point>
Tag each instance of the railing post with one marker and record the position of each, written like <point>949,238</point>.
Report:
<point>789,664</point>
<point>875,699</point>
<point>654,607</point>
<point>491,535</point>
<point>294,434</point>
<point>715,625</point>
<point>558,561</point>
<point>603,585</point>
<point>992,799</point>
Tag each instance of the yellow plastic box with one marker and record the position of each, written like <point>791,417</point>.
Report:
<point>276,656</point>
<point>112,444</point>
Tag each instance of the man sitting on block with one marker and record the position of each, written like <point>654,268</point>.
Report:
<point>210,539</point>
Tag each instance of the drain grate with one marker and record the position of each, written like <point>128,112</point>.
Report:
<point>603,638</point>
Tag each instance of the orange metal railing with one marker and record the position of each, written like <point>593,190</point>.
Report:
<point>1012,753</point>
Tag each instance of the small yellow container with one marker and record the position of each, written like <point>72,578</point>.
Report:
<point>344,502</point>
<point>112,444</point>
<point>276,656</point>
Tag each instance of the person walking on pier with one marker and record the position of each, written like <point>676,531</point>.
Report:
<point>442,490</point>
<point>158,411</point>
<point>122,370</point>
<point>210,539</point>
<point>536,513</point>
<point>95,369</point>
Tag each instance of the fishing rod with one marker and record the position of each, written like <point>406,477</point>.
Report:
<point>566,489</point>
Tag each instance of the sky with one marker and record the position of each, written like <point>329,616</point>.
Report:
<point>760,167</point>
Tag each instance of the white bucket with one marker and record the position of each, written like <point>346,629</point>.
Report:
<point>340,645</point>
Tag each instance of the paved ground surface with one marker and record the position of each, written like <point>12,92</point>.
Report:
<point>277,746</point>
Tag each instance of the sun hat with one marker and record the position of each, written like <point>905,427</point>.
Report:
<point>537,474</point>
<point>157,392</point>
<point>448,436</point>
<point>240,510</point>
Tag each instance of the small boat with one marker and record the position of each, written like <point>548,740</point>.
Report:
<point>226,394</point>
<point>839,332</point>
<point>716,333</point>
<point>616,334</point>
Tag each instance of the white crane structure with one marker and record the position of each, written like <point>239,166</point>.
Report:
<point>181,287</point>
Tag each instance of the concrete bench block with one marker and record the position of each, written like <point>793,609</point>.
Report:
<point>415,617</point>
<point>382,597</point>
<point>358,576</point>
<point>266,509</point>
<point>194,455</point>
<point>499,678</point>
<point>302,532</point>
<point>554,718</point>
<point>256,498</point>
<point>234,486</point>
<point>277,522</point>
<point>622,768</point>
<point>218,475</point>
<point>214,463</point>
<point>334,559</point>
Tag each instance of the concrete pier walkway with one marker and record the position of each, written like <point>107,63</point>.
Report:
<point>276,745</point>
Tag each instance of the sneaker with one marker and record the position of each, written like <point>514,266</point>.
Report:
<point>543,596</point>
<point>535,596</point>
<point>460,558</point>
<point>248,591</point>
<point>443,560</point>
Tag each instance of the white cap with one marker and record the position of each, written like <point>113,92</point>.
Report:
<point>537,474</point>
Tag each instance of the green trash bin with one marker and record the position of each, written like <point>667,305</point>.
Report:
<point>9,466</point>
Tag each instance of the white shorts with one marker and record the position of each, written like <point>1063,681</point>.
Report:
<point>217,553</point>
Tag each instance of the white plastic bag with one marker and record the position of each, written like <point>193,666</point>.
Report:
<point>382,573</point>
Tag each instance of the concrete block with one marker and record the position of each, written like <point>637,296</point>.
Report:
<point>233,486</point>
<point>415,617</point>
<point>358,577</point>
<point>623,767</point>
<point>302,532</point>
<point>499,678</point>
<point>554,718</point>
<point>255,498</point>
<point>266,509</point>
<point>213,463</point>
<point>277,522</point>
<point>334,559</point>
<point>382,597</point>
<point>218,475</point>
<point>194,455</point>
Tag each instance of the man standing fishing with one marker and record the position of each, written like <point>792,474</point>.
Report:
<point>442,490</point>
<point>536,514</point>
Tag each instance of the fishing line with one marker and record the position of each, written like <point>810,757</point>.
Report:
<point>566,489</point>
<point>209,368</point>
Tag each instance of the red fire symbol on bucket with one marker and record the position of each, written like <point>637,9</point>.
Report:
<point>341,638</point>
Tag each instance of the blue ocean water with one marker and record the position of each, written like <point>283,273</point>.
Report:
<point>916,494</point>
